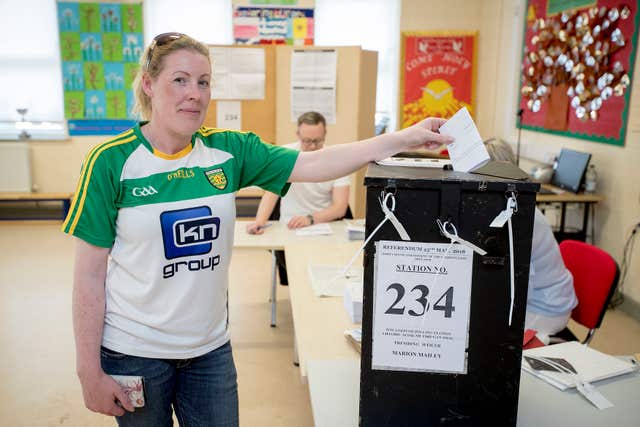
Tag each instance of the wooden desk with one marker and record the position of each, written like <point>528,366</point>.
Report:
<point>18,197</point>
<point>587,199</point>
<point>278,237</point>
<point>334,386</point>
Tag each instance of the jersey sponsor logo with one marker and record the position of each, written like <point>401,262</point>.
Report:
<point>206,263</point>
<point>217,178</point>
<point>182,173</point>
<point>144,191</point>
<point>188,232</point>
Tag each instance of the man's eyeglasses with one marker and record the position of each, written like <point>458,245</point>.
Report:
<point>315,142</point>
<point>161,40</point>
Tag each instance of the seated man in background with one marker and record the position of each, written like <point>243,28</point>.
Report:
<point>551,296</point>
<point>306,203</point>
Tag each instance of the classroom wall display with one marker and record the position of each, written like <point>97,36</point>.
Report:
<point>100,45</point>
<point>577,62</point>
<point>437,74</point>
<point>287,22</point>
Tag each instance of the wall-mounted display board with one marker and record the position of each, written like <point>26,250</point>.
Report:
<point>256,115</point>
<point>355,103</point>
<point>577,64</point>
<point>287,22</point>
<point>437,74</point>
<point>271,119</point>
<point>100,45</point>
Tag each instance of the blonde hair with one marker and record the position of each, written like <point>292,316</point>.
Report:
<point>500,150</point>
<point>153,67</point>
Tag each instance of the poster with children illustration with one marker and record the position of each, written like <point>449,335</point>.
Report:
<point>100,46</point>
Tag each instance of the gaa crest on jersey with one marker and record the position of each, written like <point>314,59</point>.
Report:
<point>187,232</point>
<point>217,178</point>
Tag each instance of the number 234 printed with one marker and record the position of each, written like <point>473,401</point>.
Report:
<point>444,303</point>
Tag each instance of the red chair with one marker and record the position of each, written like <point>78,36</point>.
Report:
<point>595,277</point>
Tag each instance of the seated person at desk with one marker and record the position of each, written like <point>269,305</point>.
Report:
<point>551,296</point>
<point>306,203</point>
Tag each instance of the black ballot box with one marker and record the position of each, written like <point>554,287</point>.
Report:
<point>442,325</point>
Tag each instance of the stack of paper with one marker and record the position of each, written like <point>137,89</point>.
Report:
<point>330,280</point>
<point>415,162</point>
<point>590,365</point>
<point>355,229</point>
<point>353,301</point>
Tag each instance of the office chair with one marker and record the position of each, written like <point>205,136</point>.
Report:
<point>279,254</point>
<point>595,277</point>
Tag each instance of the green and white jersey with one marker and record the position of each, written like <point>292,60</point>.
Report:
<point>169,221</point>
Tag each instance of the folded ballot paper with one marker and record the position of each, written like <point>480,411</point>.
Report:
<point>468,153</point>
<point>575,360</point>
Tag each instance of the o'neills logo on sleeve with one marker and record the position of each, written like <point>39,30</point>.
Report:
<point>217,178</point>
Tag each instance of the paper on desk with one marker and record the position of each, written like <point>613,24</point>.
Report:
<point>355,229</point>
<point>467,152</point>
<point>315,230</point>
<point>355,224</point>
<point>329,280</point>
<point>591,365</point>
<point>353,296</point>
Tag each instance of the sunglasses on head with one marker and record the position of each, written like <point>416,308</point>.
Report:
<point>161,40</point>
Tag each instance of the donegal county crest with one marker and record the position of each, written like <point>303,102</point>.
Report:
<point>217,178</point>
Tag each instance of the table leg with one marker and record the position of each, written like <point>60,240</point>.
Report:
<point>563,214</point>
<point>296,359</point>
<point>274,286</point>
<point>585,222</point>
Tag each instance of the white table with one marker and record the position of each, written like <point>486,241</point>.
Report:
<point>332,366</point>
<point>334,386</point>
<point>319,322</point>
<point>277,237</point>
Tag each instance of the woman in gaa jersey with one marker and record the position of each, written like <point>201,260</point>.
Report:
<point>154,216</point>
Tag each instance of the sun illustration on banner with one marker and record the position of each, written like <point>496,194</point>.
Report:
<point>437,100</point>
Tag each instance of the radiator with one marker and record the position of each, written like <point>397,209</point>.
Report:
<point>15,166</point>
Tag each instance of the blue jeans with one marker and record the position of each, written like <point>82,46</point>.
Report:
<point>203,391</point>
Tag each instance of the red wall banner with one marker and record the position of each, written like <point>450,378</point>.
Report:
<point>437,75</point>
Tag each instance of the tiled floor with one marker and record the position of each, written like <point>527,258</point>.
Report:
<point>38,386</point>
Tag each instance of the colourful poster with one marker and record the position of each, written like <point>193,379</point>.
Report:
<point>577,65</point>
<point>100,46</point>
<point>437,74</point>
<point>273,25</point>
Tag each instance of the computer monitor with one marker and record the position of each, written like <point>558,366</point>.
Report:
<point>570,169</point>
